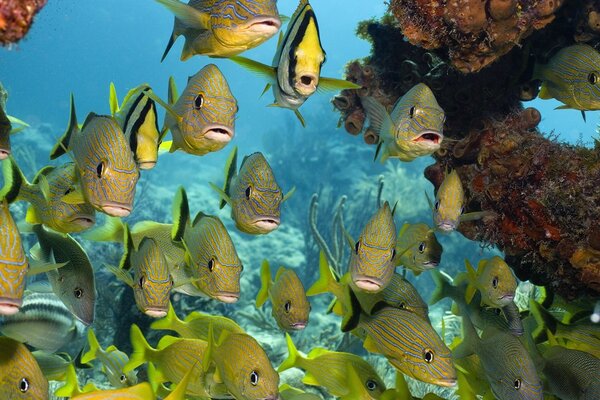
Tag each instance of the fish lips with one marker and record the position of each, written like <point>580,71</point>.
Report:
<point>146,164</point>
<point>298,326</point>
<point>10,306</point>
<point>4,153</point>
<point>447,226</point>
<point>115,209</point>
<point>306,83</point>
<point>218,133</point>
<point>506,299</point>
<point>367,283</point>
<point>266,224</point>
<point>430,137</point>
<point>430,264</point>
<point>264,25</point>
<point>156,312</point>
<point>227,297</point>
<point>445,382</point>
<point>84,221</point>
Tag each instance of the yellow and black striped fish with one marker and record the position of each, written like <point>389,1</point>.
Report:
<point>13,263</point>
<point>372,261</point>
<point>138,119</point>
<point>106,168</point>
<point>290,306</point>
<point>202,119</point>
<point>413,129</point>
<point>151,281</point>
<point>295,73</point>
<point>221,28</point>
<point>20,374</point>
<point>253,194</point>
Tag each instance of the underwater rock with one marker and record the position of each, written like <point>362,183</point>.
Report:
<point>16,17</point>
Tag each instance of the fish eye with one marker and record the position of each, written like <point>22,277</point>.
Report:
<point>411,112</point>
<point>78,292</point>
<point>69,190</point>
<point>428,356</point>
<point>143,280</point>
<point>517,384</point>
<point>371,385</point>
<point>422,247</point>
<point>287,306</point>
<point>593,78</point>
<point>248,192</point>
<point>402,306</point>
<point>437,205</point>
<point>254,378</point>
<point>24,385</point>
<point>356,247</point>
<point>100,169</point>
<point>495,282</point>
<point>122,378</point>
<point>211,264</point>
<point>198,101</point>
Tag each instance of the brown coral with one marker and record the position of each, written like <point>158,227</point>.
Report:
<point>16,17</point>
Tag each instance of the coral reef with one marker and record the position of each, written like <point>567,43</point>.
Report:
<point>16,17</point>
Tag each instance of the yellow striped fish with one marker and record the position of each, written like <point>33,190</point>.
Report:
<point>296,68</point>
<point>202,119</point>
<point>45,194</point>
<point>449,203</point>
<point>253,194</point>
<point>105,164</point>
<point>372,263</point>
<point>572,374</point>
<point>413,129</point>
<point>74,283</point>
<point>138,119</point>
<point>572,76</point>
<point>409,343</point>
<point>221,28</point>
<point>20,375</point>
<point>417,247</point>
<point>196,324</point>
<point>210,255</point>
<point>331,369</point>
<point>290,304</point>
<point>113,361</point>
<point>242,366</point>
<point>494,279</point>
<point>13,263</point>
<point>151,281</point>
<point>143,391</point>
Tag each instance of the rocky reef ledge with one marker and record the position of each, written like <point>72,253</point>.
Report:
<point>16,17</point>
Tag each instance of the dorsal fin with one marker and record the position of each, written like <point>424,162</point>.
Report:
<point>43,172</point>
<point>62,145</point>
<point>181,214</point>
<point>230,167</point>
<point>128,248</point>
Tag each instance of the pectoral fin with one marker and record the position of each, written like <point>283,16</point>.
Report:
<point>266,71</point>
<point>333,84</point>
<point>187,15</point>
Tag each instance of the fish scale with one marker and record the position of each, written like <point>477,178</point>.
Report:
<point>13,263</point>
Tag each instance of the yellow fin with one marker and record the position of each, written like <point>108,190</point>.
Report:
<point>370,345</point>
<point>74,198</point>
<point>289,194</point>
<point>121,274</point>
<point>332,84</point>
<point>113,100</point>
<point>544,92</point>
<point>165,147</point>
<point>256,67</point>
<point>265,280</point>
<point>187,15</point>
<point>310,379</point>
<point>32,217</point>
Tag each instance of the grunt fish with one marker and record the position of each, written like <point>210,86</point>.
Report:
<point>113,362</point>
<point>571,374</point>
<point>372,261</point>
<point>295,73</point>
<point>417,247</point>
<point>106,169</point>
<point>138,119</point>
<point>74,283</point>
<point>53,366</point>
<point>202,119</point>
<point>20,374</point>
<point>413,129</point>
<point>13,262</point>
<point>290,306</point>
<point>143,391</point>
<point>494,279</point>
<point>333,371</point>
<point>151,281</point>
<point>221,28</point>
<point>253,194</point>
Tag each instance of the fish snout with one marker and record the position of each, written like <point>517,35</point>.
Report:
<point>4,154</point>
<point>367,283</point>
<point>146,164</point>
<point>218,133</point>
<point>155,312</point>
<point>306,83</point>
<point>267,224</point>
<point>10,306</point>
<point>228,297</point>
<point>298,326</point>
<point>84,221</point>
<point>115,209</point>
<point>447,226</point>
<point>264,25</point>
<point>431,264</point>
<point>429,137</point>
<point>447,382</point>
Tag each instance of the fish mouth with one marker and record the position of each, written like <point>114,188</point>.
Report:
<point>85,221</point>
<point>430,137</point>
<point>116,209</point>
<point>227,297</point>
<point>297,326</point>
<point>4,154</point>
<point>306,83</point>
<point>146,164</point>
<point>267,224</point>
<point>156,312</point>
<point>446,226</point>
<point>505,299</point>
<point>10,306</point>
<point>430,264</point>
<point>446,382</point>
<point>218,133</point>
<point>264,25</point>
<point>367,284</point>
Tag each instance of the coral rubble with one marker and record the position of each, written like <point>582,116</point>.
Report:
<point>16,17</point>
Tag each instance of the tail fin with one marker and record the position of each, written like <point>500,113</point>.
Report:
<point>326,280</point>
<point>141,349</point>
<point>169,322</point>
<point>128,248</point>
<point>467,346</point>
<point>230,167</point>
<point>14,180</point>
<point>92,353</point>
<point>111,231</point>
<point>181,214</point>
<point>443,286</point>
<point>179,392</point>
<point>293,355</point>
<point>62,145</point>
<point>71,387</point>
<point>265,280</point>
<point>544,319</point>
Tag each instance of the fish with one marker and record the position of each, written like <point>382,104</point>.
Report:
<point>106,169</point>
<point>71,387</point>
<point>43,322</point>
<point>13,262</point>
<point>290,306</point>
<point>113,361</point>
<point>221,28</point>
<point>413,129</point>
<point>572,76</point>
<point>331,370</point>
<point>45,195</point>
<point>138,119</point>
<point>142,391</point>
<point>409,343</point>
<point>402,392</point>
<point>418,248</point>
<point>494,279</point>
<point>53,366</point>
<point>242,365</point>
<point>253,193</point>
<point>295,73</point>
<point>21,377</point>
<point>202,119</point>
<point>151,281</point>
<point>8,125</point>
<point>372,261</point>
<point>74,283</point>
<point>196,324</point>
<point>571,374</point>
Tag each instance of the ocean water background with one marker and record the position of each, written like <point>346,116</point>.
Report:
<point>81,46</point>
